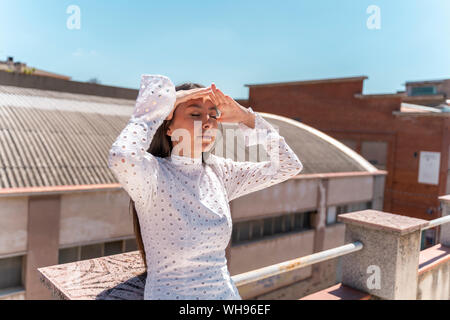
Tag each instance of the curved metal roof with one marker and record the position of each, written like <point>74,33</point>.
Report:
<point>318,152</point>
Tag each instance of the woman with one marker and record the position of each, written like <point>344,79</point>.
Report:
<point>179,199</point>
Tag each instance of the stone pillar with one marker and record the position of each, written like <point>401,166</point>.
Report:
<point>319,226</point>
<point>444,238</point>
<point>43,243</point>
<point>387,265</point>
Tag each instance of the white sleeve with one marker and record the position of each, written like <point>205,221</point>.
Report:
<point>244,177</point>
<point>134,167</point>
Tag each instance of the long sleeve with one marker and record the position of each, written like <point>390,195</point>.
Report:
<point>244,177</point>
<point>134,167</point>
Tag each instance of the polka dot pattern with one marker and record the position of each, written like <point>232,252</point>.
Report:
<point>244,177</point>
<point>183,203</point>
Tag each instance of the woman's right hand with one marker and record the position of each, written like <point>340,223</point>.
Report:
<point>186,95</point>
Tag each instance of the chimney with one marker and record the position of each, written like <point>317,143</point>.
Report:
<point>9,62</point>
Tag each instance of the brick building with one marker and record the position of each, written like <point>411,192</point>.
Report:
<point>410,142</point>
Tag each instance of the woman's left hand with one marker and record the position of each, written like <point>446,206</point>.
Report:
<point>230,110</point>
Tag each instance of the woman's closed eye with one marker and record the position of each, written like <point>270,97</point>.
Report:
<point>197,115</point>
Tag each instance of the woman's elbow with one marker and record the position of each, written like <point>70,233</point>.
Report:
<point>298,165</point>
<point>115,157</point>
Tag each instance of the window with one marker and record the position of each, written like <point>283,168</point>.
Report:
<point>252,230</point>
<point>331,215</point>
<point>11,272</point>
<point>68,255</point>
<point>268,227</point>
<point>257,229</point>
<point>278,224</point>
<point>301,221</point>
<point>96,250</point>
<point>91,251</point>
<point>334,211</point>
<point>244,230</point>
<point>114,247</point>
<point>419,91</point>
<point>375,152</point>
<point>131,245</point>
<point>428,238</point>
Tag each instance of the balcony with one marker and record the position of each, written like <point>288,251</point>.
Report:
<point>380,260</point>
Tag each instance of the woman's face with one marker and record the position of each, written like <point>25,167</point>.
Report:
<point>194,127</point>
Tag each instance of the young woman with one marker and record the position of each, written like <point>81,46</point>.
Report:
<point>180,192</point>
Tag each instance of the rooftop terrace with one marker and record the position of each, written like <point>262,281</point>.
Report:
<point>380,260</point>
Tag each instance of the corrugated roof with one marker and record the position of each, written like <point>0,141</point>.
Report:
<point>50,138</point>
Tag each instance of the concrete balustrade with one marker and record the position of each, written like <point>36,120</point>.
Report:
<point>387,265</point>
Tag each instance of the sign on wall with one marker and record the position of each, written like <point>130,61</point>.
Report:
<point>429,167</point>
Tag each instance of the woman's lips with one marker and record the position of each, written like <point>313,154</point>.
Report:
<point>206,137</point>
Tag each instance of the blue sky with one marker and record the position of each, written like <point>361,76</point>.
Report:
<point>232,43</point>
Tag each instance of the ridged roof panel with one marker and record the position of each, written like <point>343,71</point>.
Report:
<point>54,138</point>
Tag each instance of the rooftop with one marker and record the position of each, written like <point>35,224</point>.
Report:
<point>425,82</point>
<point>307,82</point>
<point>16,66</point>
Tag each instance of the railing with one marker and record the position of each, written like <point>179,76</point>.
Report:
<point>314,258</point>
<point>297,263</point>
<point>253,279</point>
<point>437,222</point>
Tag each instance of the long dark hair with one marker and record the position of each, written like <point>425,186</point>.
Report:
<point>161,146</point>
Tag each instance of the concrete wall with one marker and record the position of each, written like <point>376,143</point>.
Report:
<point>247,257</point>
<point>435,283</point>
<point>38,226</point>
<point>13,226</point>
<point>350,189</point>
<point>289,196</point>
<point>94,217</point>
<point>299,195</point>
<point>84,218</point>
<point>87,217</point>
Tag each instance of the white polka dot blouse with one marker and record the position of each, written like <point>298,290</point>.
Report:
<point>183,203</point>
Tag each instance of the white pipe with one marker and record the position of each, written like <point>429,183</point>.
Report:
<point>437,222</point>
<point>297,263</point>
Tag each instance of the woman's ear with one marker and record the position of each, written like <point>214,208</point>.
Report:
<point>168,128</point>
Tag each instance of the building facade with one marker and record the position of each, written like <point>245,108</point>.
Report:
<point>60,203</point>
<point>412,146</point>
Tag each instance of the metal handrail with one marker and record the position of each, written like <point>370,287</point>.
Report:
<point>437,222</point>
<point>297,263</point>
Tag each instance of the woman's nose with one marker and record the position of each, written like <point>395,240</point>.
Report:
<point>207,123</point>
